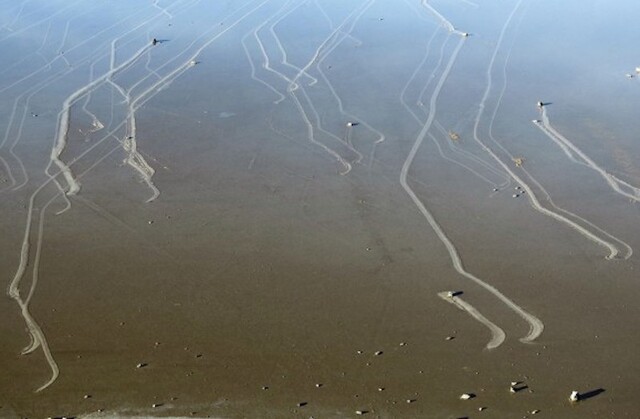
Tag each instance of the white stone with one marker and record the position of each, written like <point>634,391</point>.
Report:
<point>575,396</point>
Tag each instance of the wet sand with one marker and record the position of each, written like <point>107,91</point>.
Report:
<point>258,215</point>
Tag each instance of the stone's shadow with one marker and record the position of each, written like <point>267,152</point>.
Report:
<point>590,394</point>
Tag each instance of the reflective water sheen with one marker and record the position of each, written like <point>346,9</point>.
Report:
<point>256,208</point>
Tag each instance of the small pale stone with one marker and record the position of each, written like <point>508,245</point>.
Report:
<point>378,353</point>
<point>535,412</point>
<point>575,396</point>
<point>466,396</point>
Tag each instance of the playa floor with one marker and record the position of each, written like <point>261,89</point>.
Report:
<point>318,209</point>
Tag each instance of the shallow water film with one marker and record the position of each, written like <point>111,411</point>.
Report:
<point>319,208</point>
